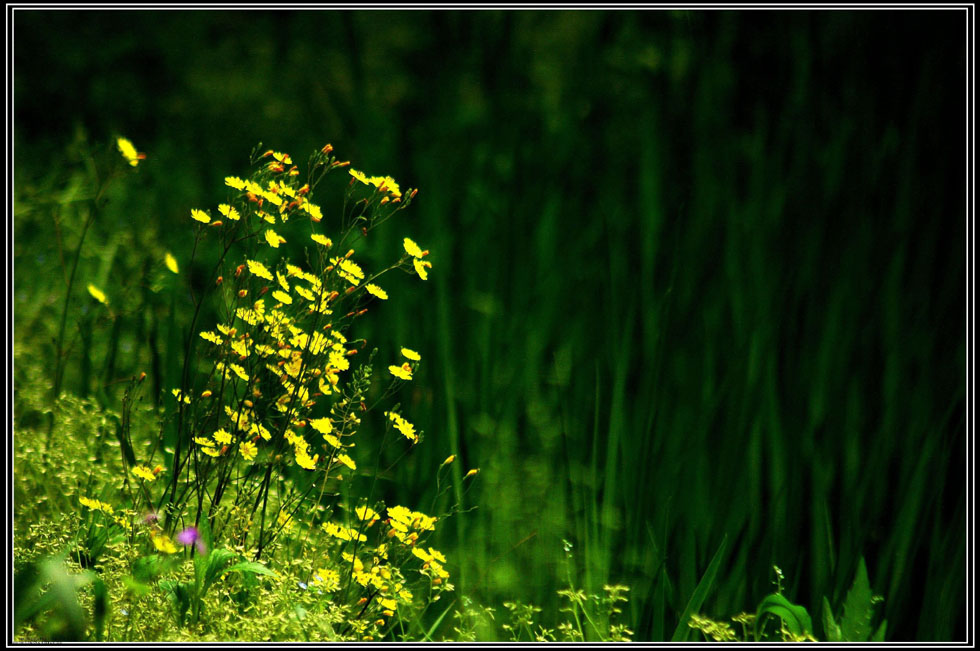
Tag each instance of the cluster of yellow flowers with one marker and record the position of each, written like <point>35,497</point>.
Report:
<point>280,390</point>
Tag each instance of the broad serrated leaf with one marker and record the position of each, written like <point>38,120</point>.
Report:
<point>856,623</point>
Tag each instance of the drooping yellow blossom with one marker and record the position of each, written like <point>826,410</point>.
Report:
<point>258,269</point>
<point>212,337</point>
<point>143,473</point>
<point>322,425</point>
<point>412,248</point>
<point>260,430</point>
<point>282,297</point>
<point>374,290</point>
<point>408,519</point>
<point>403,426</point>
<point>303,460</point>
<point>360,176</point>
<point>247,315</point>
<point>248,450</point>
<point>97,294</point>
<point>235,182</point>
<point>366,513</point>
<point>348,270</point>
<point>347,461</point>
<point>403,372</point>
<point>273,238</point>
<point>408,353</point>
<point>129,152</point>
<point>171,262</point>
<point>305,293</point>
<point>239,371</point>
<point>229,212</point>
<point>95,505</point>
<point>240,347</point>
<point>420,268</point>
<point>201,216</point>
<point>344,533</point>
<point>321,239</point>
<point>313,211</point>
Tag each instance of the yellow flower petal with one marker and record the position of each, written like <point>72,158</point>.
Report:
<point>98,294</point>
<point>201,216</point>
<point>412,248</point>
<point>171,262</point>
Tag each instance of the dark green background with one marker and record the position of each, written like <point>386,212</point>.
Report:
<point>696,274</point>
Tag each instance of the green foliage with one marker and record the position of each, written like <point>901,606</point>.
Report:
<point>697,275</point>
<point>795,624</point>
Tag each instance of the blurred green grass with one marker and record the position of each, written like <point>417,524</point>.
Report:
<point>697,274</point>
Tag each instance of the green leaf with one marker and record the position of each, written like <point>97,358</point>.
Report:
<point>830,627</point>
<point>435,625</point>
<point>251,567</point>
<point>216,562</point>
<point>879,635</point>
<point>856,623</point>
<point>179,596</point>
<point>100,607</point>
<point>796,618</point>
<point>699,594</point>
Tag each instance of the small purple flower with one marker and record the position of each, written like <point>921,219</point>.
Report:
<point>191,536</point>
<point>151,518</point>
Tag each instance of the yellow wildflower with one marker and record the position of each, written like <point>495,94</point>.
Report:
<point>248,450</point>
<point>360,176</point>
<point>303,460</point>
<point>320,239</point>
<point>201,216</point>
<point>366,513</point>
<point>229,212</point>
<point>374,290</point>
<point>98,294</point>
<point>282,297</point>
<point>163,543</point>
<point>235,182</point>
<point>322,425</point>
<point>408,353</point>
<point>222,437</point>
<point>143,473</point>
<point>273,238</point>
<point>171,262</point>
<point>212,337</point>
<point>347,461</point>
<point>403,372</point>
<point>412,248</point>
<point>420,268</point>
<point>129,152</point>
<point>258,269</point>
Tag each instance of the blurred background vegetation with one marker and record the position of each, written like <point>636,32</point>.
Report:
<point>697,275</point>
